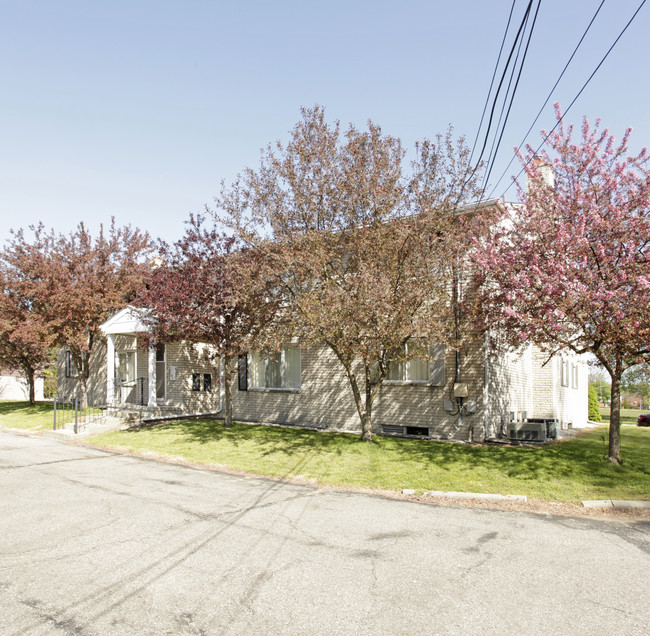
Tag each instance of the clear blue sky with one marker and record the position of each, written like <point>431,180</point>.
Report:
<point>138,109</point>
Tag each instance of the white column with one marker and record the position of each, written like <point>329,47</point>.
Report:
<point>152,376</point>
<point>110,368</point>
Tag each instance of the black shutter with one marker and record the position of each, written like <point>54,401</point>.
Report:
<point>67,364</point>
<point>242,372</point>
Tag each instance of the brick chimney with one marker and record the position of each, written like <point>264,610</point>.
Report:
<point>545,170</point>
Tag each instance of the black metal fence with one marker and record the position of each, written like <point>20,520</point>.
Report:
<point>69,412</point>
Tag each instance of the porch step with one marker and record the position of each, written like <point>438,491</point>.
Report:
<point>104,424</point>
<point>130,413</point>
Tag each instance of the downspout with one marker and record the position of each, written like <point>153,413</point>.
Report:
<point>456,302</point>
<point>486,386</point>
<point>459,400</point>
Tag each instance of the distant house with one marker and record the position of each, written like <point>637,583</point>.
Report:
<point>512,395</point>
<point>13,386</point>
<point>635,401</point>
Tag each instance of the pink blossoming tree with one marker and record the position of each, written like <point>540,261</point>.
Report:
<point>571,268</point>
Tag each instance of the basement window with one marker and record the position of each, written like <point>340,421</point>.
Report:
<point>417,430</point>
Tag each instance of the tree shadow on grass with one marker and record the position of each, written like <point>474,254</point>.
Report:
<point>269,439</point>
<point>20,408</point>
<point>22,415</point>
<point>580,460</point>
<point>577,461</point>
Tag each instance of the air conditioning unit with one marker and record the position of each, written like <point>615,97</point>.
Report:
<point>527,431</point>
<point>550,423</point>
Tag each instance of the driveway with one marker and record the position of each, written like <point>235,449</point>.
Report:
<point>95,543</point>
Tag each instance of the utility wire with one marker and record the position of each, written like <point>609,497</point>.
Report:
<point>494,73</point>
<point>548,134</point>
<point>512,97</point>
<point>505,100</point>
<point>503,75</point>
<point>548,97</point>
<point>492,158</point>
<point>470,170</point>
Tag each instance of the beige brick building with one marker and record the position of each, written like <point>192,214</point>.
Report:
<point>488,396</point>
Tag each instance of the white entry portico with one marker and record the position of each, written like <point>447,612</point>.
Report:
<point>129,322</point>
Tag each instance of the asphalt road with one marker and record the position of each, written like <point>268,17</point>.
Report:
<point>94,543</point>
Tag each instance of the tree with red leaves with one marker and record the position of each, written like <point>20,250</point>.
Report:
<point>571,268</point>
<point>25,341</point>
<point>74,282</point>
<point>209,289</point>
<point>362,250</point>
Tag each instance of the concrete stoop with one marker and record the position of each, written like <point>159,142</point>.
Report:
<point>104,424</point>
<point>133,413</point>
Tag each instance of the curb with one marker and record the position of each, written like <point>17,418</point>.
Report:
<point>467,495</point>
<point>60,433</point>
<point>615,503</point>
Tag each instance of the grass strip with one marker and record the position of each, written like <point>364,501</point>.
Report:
<point>567,471</point>
<point>22,416</point>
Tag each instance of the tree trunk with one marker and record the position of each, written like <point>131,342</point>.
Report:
<point>227,383</point>
<point>614,454</point>
<point>364,409</point>
<point>29,376</point>
<point>366,427</point>
<point>83,390</point>
<point>366,418</point>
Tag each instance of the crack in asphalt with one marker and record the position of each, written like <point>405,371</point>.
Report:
<point>53,617</point>
<point>54,461</point>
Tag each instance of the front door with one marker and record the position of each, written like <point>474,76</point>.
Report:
<point>125,366</point>
<point>161,373</point>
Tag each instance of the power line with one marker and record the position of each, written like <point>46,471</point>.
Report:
<point>503,75</point>
<point>472,171</point>
<point>494,73</point>
<point>620,35</point>
<point>512,97</point>
<point>503,106</point>
<point>549,95</point>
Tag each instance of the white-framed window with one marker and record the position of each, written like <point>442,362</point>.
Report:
<point>574,376</point>
<point>421,369</point>
<point>275,370</point>
<point>125,366</point>
<point>564,372</point>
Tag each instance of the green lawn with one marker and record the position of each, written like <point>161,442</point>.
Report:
<point>22,415</point>
<point>628,416</point>
<point>569,471</point>
<point>38,417</point>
